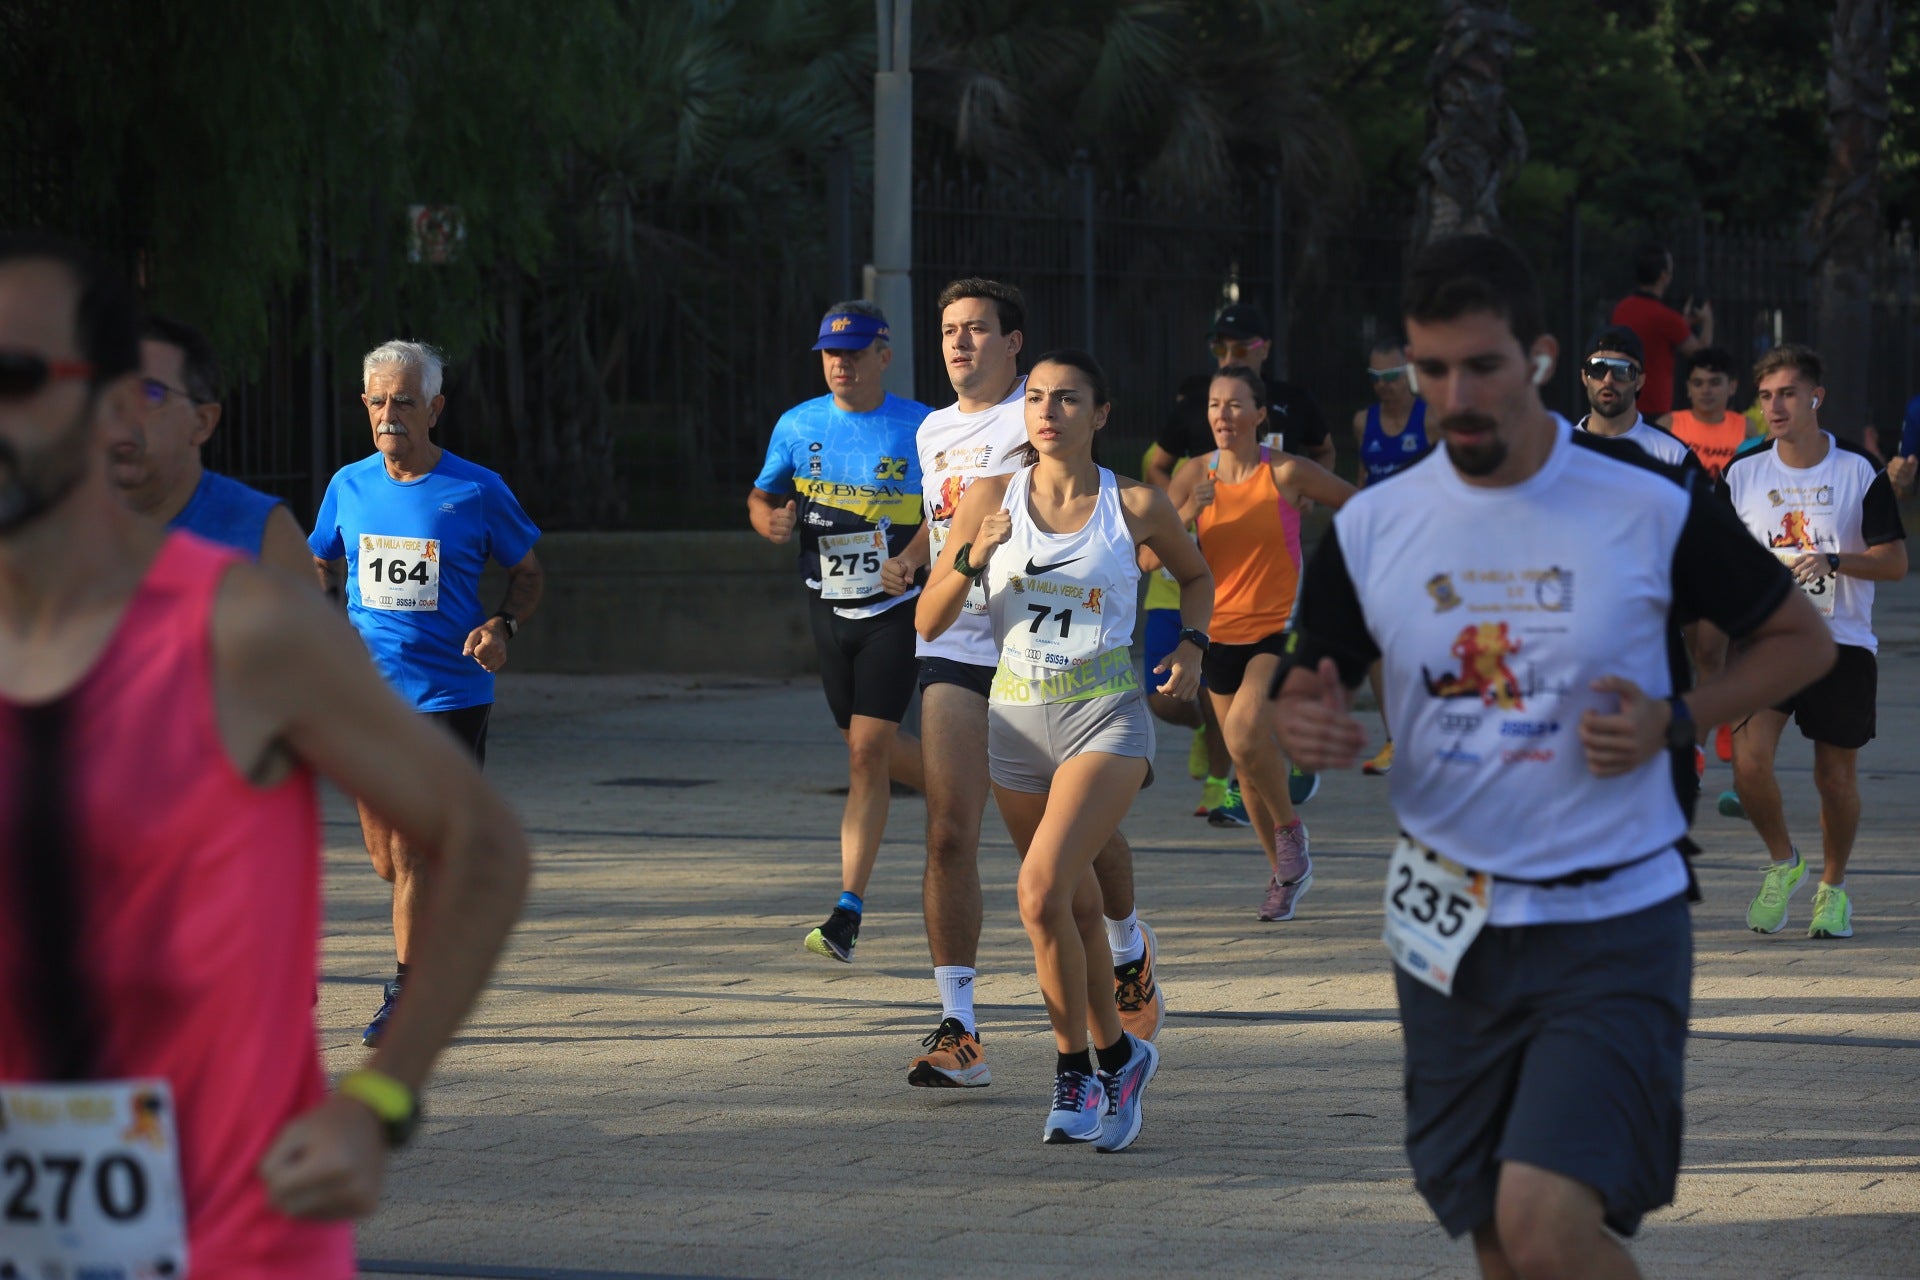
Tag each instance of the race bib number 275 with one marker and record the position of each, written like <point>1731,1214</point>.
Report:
<point>400,574</point>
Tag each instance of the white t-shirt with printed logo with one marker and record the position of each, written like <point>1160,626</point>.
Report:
<point>1658,442</point>
<point>1843,503</point>
<point>955,450</point>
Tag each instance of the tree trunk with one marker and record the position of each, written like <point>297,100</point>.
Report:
<point>1846,217</point>
<point>1474,138</point>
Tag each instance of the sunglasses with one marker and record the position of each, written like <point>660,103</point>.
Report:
<point>23,373</point>
<point>1222,348</point>
<point>1598,367</point>
<point>1394,374</point>
<point>157,392</point>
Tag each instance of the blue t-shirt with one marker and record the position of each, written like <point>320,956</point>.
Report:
<point>225,511</point>
<point>414,552</point>
<point>851,472</point>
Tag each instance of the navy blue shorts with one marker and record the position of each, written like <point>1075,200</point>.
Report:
<point>967,675</point>
<point>1563,1046</point>
<point>1161,637</point>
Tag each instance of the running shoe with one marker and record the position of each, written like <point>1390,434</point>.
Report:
<point>1723,743</point>
<point>1136,994</point>
<point>1302,787</point>
<point>836,937</point>
<point>1293,875</point>
<point>1730,806</point>
<point>953,1059</point>
<point>1122,1122</point>
<point>1213,795</point>
<point>1078,1101</point>
<point>390,995</point>
<point>1197,755</point>
<point>1380,766</point>
<point>1768,911</point>
<point>1832,913</point>
<point>1231,812</point>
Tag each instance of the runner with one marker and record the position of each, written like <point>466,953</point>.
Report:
<point>414,525</point>
<point>1827,512</point>
<point>850,456</point>
<point>158,465</point>
<point>1712,430</point>
<point>1069,736</point>
<point>1536,906</point>
<point>1611,373</point>
<point>1242,498</point>
<point>1392,435</point>
<point>979,436</point>
<point>160,909</point>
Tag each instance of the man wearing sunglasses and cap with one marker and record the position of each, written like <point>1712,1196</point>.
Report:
<point>842,476</point>
<point>158,464</point>
<point>1612,373</point>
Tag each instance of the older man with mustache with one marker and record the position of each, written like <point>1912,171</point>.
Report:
<point>405,533</point>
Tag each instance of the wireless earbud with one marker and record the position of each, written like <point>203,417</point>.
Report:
<point>1542,369</point>
<point>1816,402</point>
<point>1413,379</point>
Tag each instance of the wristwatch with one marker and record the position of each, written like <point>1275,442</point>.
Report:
<point>1833,563</point>
<point>513,623</point>
<point>1196,637</point>
<point>1680,728</point>
<point>393,1104</point>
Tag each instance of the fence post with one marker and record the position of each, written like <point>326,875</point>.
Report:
<point>1277,230</point>
<point>1083,163</point>
<point>1575,306</point>
<point>839,217</point>
<point>893,186</point>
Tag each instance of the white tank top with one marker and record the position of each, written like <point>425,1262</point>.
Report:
<point>1062,604</point>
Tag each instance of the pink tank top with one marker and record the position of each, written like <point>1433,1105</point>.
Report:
<point>199,912</point>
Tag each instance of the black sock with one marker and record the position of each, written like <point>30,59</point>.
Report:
<point>400,972</point>
<point>1072,1062</point>
<point>1115,1056</point>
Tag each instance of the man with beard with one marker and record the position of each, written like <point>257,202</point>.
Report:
<point>1612,373</point>
<point>1517,586</point>
<point>412,526</point>
<point>159,904</point>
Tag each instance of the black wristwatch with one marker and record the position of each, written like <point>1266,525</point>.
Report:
<point>513,623</point>
<point>1198,638</point>
<point>1680,728</point>
<point>1833,563</point>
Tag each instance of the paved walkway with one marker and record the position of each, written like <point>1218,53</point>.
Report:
<point>662,1082</point>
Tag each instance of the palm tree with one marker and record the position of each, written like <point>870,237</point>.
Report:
<point>1476,140</point>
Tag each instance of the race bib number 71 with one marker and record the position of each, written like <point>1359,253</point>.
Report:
<point>400,574</point>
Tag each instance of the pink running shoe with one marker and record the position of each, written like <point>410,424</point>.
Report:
<point>1293,874</point>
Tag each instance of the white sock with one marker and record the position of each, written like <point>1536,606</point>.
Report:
<point>956,994</point>
<point>1124,940</point>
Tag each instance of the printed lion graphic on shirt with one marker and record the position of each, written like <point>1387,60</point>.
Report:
<point>1483,649</point>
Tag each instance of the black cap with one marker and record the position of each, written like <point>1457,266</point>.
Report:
<point>1617,337</point>
<point>1242,320</point>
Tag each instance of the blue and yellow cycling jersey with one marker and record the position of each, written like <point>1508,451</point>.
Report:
<point>853,473</point>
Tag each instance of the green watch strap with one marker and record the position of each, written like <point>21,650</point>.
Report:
<point>393,1104</point>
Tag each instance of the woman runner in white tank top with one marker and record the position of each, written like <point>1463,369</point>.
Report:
<point>1069,735</point>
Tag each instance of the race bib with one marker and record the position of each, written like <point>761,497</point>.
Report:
<point>850,564</point>
<point>1820,590</point>
<point>401,574</point>
<point>1435,909</point>
<point>1052,625</point>
<point>90,1181</point>
<point>975,601</point>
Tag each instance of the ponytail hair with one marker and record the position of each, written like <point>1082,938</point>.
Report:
<point>1088,368</point>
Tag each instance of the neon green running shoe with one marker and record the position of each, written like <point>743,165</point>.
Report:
<point>1213,794</point>
<point>1768,911</point>
<point>1832,913</point>
<point>1197,756</point>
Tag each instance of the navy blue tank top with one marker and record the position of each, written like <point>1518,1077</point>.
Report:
<point>1382,454</point>
<point>224,511</point>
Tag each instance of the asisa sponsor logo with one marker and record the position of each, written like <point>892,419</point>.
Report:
<point>1529,728</point>
<point>1453,755</point>
<point>1527,755</point>
<point>1455,722</point>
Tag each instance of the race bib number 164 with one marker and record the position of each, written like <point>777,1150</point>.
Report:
<point>399,573</point>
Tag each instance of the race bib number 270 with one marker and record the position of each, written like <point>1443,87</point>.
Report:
<point>90,1181</point>
<point>400,574</point>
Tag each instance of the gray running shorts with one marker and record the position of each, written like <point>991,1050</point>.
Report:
<point>1025,744</point>
<point>1563,1046</point>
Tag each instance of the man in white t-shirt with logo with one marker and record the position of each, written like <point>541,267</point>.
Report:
<point>981,333</point>
<point>1828,512</point>
<point>1612,374</point>
<point>1536,905</point>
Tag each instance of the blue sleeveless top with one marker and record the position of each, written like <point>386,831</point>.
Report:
<point>225,511</point>
<point>1382,454</point>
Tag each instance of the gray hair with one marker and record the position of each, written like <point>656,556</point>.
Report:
<point>860,307</point>
<point>407,355</point>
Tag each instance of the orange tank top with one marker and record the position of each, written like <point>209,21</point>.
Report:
<point>1714,443</point>
<point>1250,537</point>
<point>197,899</point>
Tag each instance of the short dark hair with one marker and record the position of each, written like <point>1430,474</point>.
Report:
<point>1009,304</point>
<point>198,364</point>
<point>1713,360</point>
<point>1253,381</point>
<point>106,325</point>
<point>1388,344</point>
<point>1650,262</point>
<point>1460,275</point>
<point>1788,355</point>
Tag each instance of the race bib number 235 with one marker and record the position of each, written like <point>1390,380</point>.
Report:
<point>1435,909</point>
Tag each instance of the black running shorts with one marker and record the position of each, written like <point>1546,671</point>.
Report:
<point>469,726</point>
<point>866,664</point>
<point>1838,708</point>
<point>1224,666</point>
<point>967,675</point>
<point>1563,1046</point>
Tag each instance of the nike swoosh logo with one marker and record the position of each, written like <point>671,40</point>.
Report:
<point>1034,569</point>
